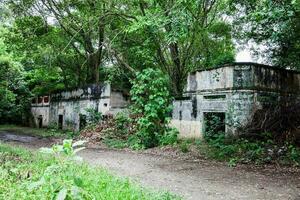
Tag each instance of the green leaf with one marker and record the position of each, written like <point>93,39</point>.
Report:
<point>62,194</point>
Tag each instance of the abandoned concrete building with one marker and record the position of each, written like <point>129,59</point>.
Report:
<point>231,92</point>
<point>68,109</point>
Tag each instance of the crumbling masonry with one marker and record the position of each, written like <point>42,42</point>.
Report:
<point>233,93</point>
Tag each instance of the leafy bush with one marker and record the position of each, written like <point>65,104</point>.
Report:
<point>93,116</point>
<point>184,146</point>
<point>151,101</point>
<point>250,150</point>
<point>169,137</point>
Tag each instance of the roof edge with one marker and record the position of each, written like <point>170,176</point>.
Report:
<point>248,63</point>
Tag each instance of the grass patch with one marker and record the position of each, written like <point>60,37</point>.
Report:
<point>42,132</point>
<point>26,175</point>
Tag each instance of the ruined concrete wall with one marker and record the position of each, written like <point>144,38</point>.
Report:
<point>237,91</point>
<point>184,118</point>
<point>71,104</point>
<point>65,108</point>
<point>40,111</point>
<point>70,110</point>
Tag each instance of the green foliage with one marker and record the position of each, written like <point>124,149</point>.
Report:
<point>93,116</point>
<point>115,143</point>
<point>174,36</point>
<point>213,125</point>
<point>51,131</point>
<point>184,146</point>
<point>273,24</point>
<point>151,101</point>
<point>243,150</point>
<point>27,175</point>
<point>170,136</point>
<point>14,93</point>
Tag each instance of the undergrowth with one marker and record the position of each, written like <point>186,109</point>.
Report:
<point>249,150</point>
<point>27,175</point>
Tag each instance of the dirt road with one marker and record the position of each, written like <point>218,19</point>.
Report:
<point>197,180</point>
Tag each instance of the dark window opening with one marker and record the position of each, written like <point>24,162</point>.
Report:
<point>214,124</point>
<point>82,121</point>
<point>40,99</point>
<point>194,106</point>
<point>212,97</point>
<point>105,105</point>
<point>34,101</point>
<point>60,121</point>
<point>46,99</point>
<point>40,121</point>
<point>180,115</point>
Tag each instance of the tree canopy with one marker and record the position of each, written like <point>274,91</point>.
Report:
<point>60,44</point>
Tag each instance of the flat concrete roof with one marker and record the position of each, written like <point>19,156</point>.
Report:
<point>248,64</point>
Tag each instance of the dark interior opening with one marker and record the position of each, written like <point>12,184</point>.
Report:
<point>214,123</point>
<point>46,99</point>
<point>40,121</point>
<point>40,99</point>
<point>60,121</point>
<point>82,121</point>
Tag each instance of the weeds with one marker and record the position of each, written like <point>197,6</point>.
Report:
<point>245,150</point>
<point>26,175</point>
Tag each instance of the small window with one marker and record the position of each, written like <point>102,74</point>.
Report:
<point>46,99</point>
<point>105,105</point>
<point>214,97</point>
<point>34,101</point>
<point>40,99</point>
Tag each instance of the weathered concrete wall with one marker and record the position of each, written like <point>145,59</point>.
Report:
<point>70,110</point>
<point>71,104</point>
<point>40,111</point>
<point>236,90</point>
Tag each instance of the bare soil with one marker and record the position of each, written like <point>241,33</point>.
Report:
<point>192,179</point>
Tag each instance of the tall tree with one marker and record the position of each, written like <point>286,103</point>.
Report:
<point>177,36</point>
<point>273,24</point>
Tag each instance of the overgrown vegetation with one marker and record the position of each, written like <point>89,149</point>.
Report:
<point>250,150</point>
<point>27,175</point>
<point>259,149</point>
<point>151,102</point>
<point>146,123</point>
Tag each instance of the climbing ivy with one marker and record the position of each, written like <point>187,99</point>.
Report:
<point>151,102</point>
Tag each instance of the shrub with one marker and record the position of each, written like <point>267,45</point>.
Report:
<point>93,116</point>
<point>151,101</point>
<point>169,137</point>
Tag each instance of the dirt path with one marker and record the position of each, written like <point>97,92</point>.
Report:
<point>191,179</point>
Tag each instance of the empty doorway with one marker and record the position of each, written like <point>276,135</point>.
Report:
<point>82,121</point>
<point>40,121</point>
<point>214,123</point>
<point>60,121</point>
